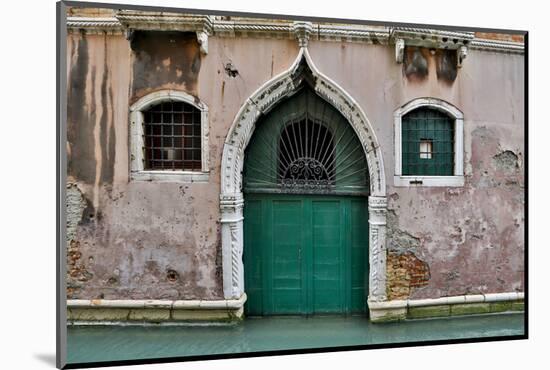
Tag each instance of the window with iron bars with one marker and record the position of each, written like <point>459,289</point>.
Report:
<point>427,143</point>
<point>172,137</point>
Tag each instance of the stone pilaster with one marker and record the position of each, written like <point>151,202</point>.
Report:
<point>377,245</point>
<point>231,206</point>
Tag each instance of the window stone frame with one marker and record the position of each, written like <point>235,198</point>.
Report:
<point>137,170</point>
<point>457,179</point>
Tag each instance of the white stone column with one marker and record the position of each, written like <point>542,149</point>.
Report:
<point>231,207</point>
<point>377,247</point>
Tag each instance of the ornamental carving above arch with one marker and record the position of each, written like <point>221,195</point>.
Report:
<point>284,85</point>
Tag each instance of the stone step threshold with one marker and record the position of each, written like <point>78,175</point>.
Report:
<point>129,312</point>
<point>398,310</point>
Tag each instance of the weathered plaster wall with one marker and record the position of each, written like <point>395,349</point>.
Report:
<point>447,241</point>
<point>164,60</point>
<point>140,240</point>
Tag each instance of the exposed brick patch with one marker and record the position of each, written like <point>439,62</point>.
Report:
<point>400,241</point>
<point>499,36</point>
<point>75,208</point>
<point>506,161</point>
<point>404,273</point>
<point>76,270</point>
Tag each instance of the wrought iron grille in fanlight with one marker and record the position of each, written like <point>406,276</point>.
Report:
<point>306,156</point>
<point>305,146</point>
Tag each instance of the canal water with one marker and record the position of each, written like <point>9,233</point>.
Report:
<point>116,343</point>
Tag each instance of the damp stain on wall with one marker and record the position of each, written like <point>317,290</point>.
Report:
<point>164,60</point>
<point>415,63</point>
<point>446,65</point>
<point>419,62</point>
<point>106,123</point>
<point>85,112</point>
<point>81,159</point>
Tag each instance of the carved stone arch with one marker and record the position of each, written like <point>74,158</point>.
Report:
<point>303,70</point>
<point>284,85</point>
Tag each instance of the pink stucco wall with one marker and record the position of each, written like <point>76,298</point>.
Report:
<point>162,240</point>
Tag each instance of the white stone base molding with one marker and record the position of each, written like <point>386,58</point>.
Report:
<point>115,312</point>
<point>446,306</point>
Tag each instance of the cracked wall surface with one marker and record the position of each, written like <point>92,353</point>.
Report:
<point>152,240</point>
<point>139,239</point>
<point>462,240</point>
<point>471,238</point>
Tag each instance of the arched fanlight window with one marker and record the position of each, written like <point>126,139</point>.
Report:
<point>306,154</point>
<point>305,146</point>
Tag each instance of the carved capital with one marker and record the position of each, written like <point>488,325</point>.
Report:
<point>231,207</point>
<point>302,30</point>
<point>376,203</point>
<point>378,207</point>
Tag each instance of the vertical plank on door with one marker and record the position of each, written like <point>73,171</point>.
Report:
<point>286,275</point>
<point>359,254</point>
<point>327,256</point>
<point>253,239</point>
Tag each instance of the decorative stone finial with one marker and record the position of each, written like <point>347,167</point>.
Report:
<point>302,30</point>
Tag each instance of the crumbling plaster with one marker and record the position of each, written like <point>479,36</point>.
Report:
<point>472,237</point>
<point>145,240</point>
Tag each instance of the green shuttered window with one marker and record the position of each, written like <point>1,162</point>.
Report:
<point>428,143</point>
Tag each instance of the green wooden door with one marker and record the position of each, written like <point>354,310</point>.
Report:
<point>305,214</point>
<point>305,254</point>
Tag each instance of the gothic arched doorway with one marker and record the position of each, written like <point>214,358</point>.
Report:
<point>305,184</point>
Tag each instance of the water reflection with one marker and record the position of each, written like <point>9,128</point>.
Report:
<point>110,343</point>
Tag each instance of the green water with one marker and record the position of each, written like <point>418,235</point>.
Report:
<point>113,343</point>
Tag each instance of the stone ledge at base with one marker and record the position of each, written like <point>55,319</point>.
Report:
<point>397,310</point>
<point>105,312</point>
